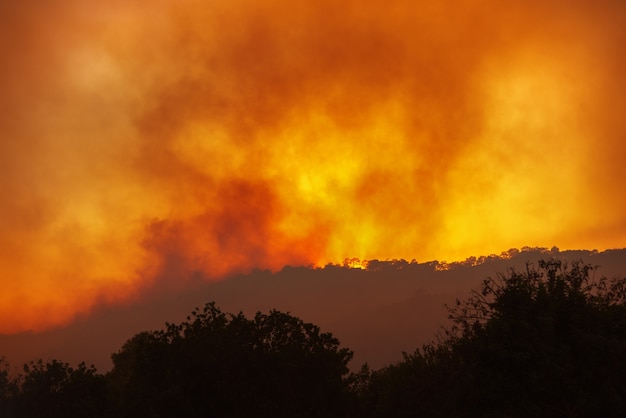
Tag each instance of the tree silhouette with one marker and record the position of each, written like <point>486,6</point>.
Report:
<point>218,364</point>
<point>51,389</point>
<point>8,390</point>
<point>549,341</point>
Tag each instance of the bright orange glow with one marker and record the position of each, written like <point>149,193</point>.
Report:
<point>151,142</point>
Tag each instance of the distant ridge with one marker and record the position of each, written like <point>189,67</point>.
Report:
<point>554,252</point>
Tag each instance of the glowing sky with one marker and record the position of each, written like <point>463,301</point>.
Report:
<point>144,140</point>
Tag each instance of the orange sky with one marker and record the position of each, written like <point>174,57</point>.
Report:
<point>143,141</point>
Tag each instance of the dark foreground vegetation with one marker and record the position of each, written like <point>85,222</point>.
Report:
<point>546,342</point>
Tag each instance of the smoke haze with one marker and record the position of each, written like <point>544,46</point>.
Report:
<point>142,142</point>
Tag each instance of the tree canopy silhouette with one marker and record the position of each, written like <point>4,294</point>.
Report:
<point>224,365</point>
<point>548,341</point>
<point>52,389</point>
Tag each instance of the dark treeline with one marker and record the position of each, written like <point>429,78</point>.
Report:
<point>548,341</point>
